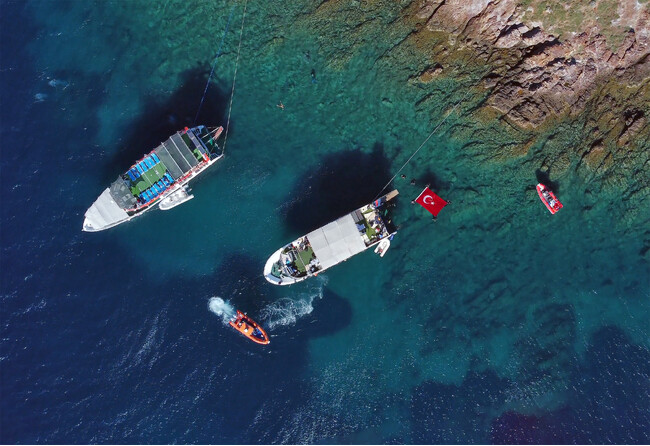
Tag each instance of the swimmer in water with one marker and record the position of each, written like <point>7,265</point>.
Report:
<point>313,76</point>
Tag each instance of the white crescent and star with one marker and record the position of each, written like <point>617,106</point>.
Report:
<point>424,200</point>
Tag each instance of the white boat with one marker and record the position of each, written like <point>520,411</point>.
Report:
<point>161,176</point>
<point>382,247</point>
<point>333,243</point>
<point>177,197</point>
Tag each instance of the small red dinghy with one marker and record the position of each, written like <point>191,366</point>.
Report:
<point>249,328</point>
<point>548,198</point>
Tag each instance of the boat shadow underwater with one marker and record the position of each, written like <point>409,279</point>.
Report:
<point>545,178</point>
<point>433,181</point>
<point>341,182</point>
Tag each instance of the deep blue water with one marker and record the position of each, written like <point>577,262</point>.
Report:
<point>453,337</point>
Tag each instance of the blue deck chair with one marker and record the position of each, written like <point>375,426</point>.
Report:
<point>152,192</point>
<point>130,174</point>
<point>155,158</point>
<point>144,166</point>
<point>149,162</point>
<point>156,188</point>
<point>139,169</point>
<point>162,185</point>
<point>169,177</point>
<point>135,172</point>
<point>166,181</point>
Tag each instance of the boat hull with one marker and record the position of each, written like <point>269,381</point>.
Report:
<point>552,203</point>
<point>105,213</point>
<point>382,247</point>
<point>316,252</point>
<point>174,199</point>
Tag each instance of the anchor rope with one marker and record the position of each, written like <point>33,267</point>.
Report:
<point>423,143</point>
<point>214,64</point>
<point>234,79</point>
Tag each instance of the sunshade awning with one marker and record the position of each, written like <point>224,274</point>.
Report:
<point>336,241</point>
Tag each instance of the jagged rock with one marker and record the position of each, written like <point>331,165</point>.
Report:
<point>430,73</point>
<point>634,122</point>
<point>549,75</point>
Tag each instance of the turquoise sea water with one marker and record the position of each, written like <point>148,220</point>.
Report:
<point>498,323</point>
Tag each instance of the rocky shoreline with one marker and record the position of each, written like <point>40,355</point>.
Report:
<point>539,64</point>
<point>537,74</point>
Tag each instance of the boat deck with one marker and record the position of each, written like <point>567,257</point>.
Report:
<point>182,155</point>
<point>171,160</point>
<point>332,244</point>
<point>148,179</point>
<point>177,156</point>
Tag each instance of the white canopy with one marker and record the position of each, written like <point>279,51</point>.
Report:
<point>104,213</point>
<point>336,241</point>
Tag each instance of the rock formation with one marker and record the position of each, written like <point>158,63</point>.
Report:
<point>549,70</point>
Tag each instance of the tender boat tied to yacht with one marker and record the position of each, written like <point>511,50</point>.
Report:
<point>160,178</point>
<point>548,198</point>
<point>249,328</point>
<point>333,243</point>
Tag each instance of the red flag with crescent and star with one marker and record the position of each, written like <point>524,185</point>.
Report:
<point>430,201</point>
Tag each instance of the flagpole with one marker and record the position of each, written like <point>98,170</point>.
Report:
<point>423,190</point>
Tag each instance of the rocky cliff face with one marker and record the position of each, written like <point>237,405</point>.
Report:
<point>539,62</point>
<point>563,87</point>
<point>546,67</point>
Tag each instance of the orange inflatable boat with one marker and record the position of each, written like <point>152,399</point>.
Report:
<point>249,328</point>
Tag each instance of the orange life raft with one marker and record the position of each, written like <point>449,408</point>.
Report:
<point>249,328</point>
<point>548,198</point>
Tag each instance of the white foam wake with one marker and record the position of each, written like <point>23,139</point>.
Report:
<point>288,310</point>
<point>222,309</point>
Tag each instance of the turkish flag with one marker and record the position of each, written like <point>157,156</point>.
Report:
<point>430,201</point>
